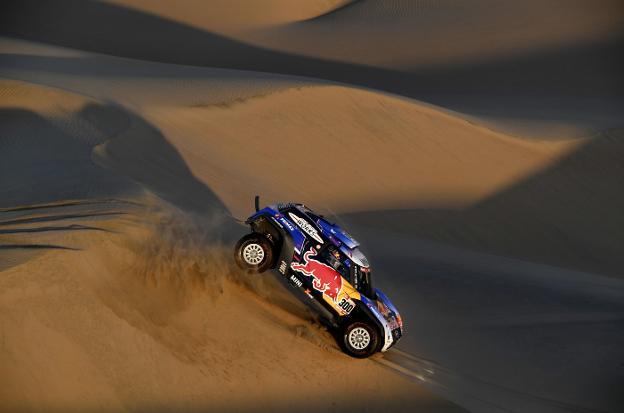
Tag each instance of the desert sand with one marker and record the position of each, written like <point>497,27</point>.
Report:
<point>483,175</point>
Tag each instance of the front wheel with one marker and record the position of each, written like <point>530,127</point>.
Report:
<point>254,253</point>
<point>359,339</point>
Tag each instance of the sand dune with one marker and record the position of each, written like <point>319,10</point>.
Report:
<point>126,157</point>
<point>243,15</point>
<point>538,69</point>
<point>145,298</point>
<point>399,34</point>
<point>120,326</point>
<point>424,158</point>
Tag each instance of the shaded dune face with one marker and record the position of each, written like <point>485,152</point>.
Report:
<point>63,153</point>
<point>512,31</point>
<point>502,64</point>
<point>57,176</point>
<point>567,214</point>
<point>52,152</point>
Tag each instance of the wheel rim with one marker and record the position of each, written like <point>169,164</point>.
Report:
<point>359,338</point>
<point>253,254</point>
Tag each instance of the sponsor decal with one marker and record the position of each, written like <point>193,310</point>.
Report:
<point>346,304</point>
<point>286,223</point>
<point>306,227</point>
<point>277,222</point>
<point>326,279</point>
<point>308,292</point>
<point>296,280</point>
<point>383,309</point>
<point>282,267</point>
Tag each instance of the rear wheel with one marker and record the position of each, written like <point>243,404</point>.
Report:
<point>254,252</point>
<point>359,339</point>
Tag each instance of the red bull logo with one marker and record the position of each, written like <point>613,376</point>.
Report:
<point>326,279</point>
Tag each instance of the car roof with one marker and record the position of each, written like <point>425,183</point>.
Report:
<point>334,231</point>
<point>346,243</point>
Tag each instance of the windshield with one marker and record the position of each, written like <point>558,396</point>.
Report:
<point>334,258</point>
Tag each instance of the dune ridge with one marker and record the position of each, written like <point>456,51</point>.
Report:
<point>501,64</point>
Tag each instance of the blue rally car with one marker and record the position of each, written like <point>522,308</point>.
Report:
<point>324,267</point>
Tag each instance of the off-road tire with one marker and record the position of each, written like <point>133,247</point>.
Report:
<point>359,339</point>
<point>254,253</point>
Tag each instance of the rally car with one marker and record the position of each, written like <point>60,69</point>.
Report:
<point>323,266</point>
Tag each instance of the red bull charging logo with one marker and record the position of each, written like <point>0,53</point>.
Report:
<point>326,279</point>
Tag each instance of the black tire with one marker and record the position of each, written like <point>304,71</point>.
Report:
<point>254,252</point>
<point>359,339</point>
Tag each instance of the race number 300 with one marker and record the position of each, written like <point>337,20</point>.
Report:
<point>346,305</point>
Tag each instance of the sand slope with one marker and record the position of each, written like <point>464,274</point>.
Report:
<point>326,136</point>
<point>124,326</point>
<point>122,176</point>
<point>138,305</point>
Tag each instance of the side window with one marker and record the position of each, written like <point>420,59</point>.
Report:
<point>335,259</point>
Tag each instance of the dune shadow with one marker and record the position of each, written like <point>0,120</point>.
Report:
<point>73,227</point>
<point>108,152</point>
<point>568,215</point>
<point>42,163</point>
<point>141,153</point>
<point>61,217</point>
<point>12,255</point>
<point>35,247</point>
<point>576,83</point>
<point>70,203</point>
